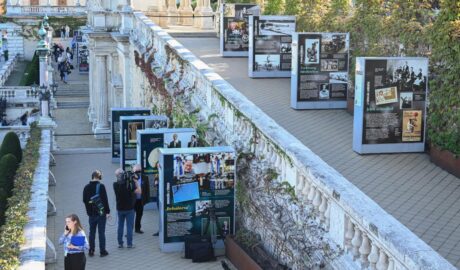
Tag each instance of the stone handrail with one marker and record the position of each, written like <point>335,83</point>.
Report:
<point>370,236</point>
<point>33,254</point>
<point>7,69</point>
<point>18,94</point>
<point>49,10</point>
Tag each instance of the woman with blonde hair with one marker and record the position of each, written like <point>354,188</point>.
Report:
<point>75,242</point>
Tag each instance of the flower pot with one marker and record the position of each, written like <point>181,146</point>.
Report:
<point>446,160</point>
<point>239,258</point>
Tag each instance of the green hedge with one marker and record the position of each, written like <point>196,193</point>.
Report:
<point>32,73</point>
<point>8,166</point>
<point>11,145</point>
<point>11,233</point>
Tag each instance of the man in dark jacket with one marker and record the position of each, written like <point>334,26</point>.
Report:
<point>141,199</point>
<point>97,219</point>
<point>126,188</point>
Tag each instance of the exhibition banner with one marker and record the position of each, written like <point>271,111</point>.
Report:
<point>390,105</point>
<point>270,39</point>
<point>116,113</point>
<point>129,125</point>
<point>234,34</point>
<point>149,142</point>
<point>197,190</point>
<point>320,70</point>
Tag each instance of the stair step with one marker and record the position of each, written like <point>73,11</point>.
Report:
<point>69,105</point>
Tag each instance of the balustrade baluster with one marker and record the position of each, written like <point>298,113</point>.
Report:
<point>349,234</point>
<point>373,256</point>
<point>382,263</point>
<point>364,250</point>
<point>327,215</point>
<point>312,193</point>
<point>391,264</point>
<point>306,188</point>
<point>300,183</point>
<point>317,199</point>
<point>356,243</point>
<point>322,208</point>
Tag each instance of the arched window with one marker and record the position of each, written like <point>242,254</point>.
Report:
<point>62,2</point>
<point>34,2</point>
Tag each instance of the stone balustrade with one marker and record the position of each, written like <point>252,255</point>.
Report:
<point>23,133</point>
<point>7,68</point>
<point>369,237</point>
<point>38,249</point>
<point>16,10</point>
<point>18,94</point>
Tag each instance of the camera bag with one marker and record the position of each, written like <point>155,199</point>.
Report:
<point>97,202</point>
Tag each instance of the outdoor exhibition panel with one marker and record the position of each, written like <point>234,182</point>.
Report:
<point>270,39</point>
<point>115,114</point>
<point>149,142</point>
<point>129,125</point>
<point>390,104</point>
<point>234,35</point>
<point>319,70</point>
<point>196,195</point>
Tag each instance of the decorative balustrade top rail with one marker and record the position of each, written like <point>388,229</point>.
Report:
<point>49,10</point>
<point>353,221</point>
<point>14,94</point>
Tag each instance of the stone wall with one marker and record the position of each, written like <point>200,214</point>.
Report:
<point>304,211</point>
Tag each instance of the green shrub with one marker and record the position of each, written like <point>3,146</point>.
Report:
<point>32,73</point>
<point>11,145</point>
<point>12,232</point>
<point>8,166</point>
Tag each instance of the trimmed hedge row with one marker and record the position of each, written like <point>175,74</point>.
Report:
<point>11,233</point>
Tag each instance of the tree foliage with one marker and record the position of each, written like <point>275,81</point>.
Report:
<point>8,166</point>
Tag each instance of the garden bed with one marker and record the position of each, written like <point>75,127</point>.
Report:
<point>446,160</point>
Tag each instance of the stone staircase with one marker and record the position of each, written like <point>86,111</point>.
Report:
<point>72,104</point>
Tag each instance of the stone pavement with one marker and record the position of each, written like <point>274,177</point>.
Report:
<point>423,197</point>
<point>17,74</point>
<point>73,171</point>
<point>76,158</point>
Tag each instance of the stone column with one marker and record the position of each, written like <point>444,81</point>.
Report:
<point>92,84</point>
<point>102,119</point>
<point>172,13</point>
<point>186,12</point>
<point>43,58</point>
<point>206,10</point>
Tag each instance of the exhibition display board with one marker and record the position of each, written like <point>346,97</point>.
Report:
<point>115,114</point>
<point>234,35</point>
<point>270,39</point>
<point>149,142</point>
<point>320,63</point>
<point>390,104</point>
<point>195,182</point>
<point>129,125</point>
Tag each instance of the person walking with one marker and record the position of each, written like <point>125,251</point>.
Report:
<point>75,243</point>
<point>67,31</point>
<point>142,198</point>
<point>126,187</point>
<point>98,210</point>
<point>62,31</point>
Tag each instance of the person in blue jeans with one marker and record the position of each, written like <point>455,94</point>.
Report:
<point>97,217</point>
<point>126,187</point>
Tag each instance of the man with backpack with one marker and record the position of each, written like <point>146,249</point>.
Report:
<point>98,210</point>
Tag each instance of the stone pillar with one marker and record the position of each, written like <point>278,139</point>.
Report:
<point>186,12</point>
<point>197,13</point>
<point>172,13</point>
<point>43,58</point>
<point>92,84</point>
<point>102,119</point>
<point>206,10</point>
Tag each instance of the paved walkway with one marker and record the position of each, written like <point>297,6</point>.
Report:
<point>15,77</point>
<point>77,157</point>
<point>419,194</point>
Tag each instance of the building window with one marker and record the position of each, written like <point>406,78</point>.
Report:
<point>62,2</point>
<point>34,2</point>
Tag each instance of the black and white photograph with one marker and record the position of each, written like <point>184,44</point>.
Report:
<point>285,48</point>
<point>156,124</point>
<point>338,77</point>
<point>334,43</point>
<point>329,65</point>
<point>324,92</point>
<point>267,45</point>
<point>276,27</point>
<point>408,75</point>
<point>312,51</point>
<point>267,62</point>
<point>405,100</point>
<point>201,207</point>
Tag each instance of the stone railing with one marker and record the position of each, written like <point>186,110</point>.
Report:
<point>38,249</point>
<point>7,68</point>
<point>369,236</point>
<point>18,94</point>
<point>15,10</point>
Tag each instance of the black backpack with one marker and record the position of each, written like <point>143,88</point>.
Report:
<point>96,201</point>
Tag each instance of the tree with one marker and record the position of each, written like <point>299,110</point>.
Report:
<point>8,167</point>
<point>11,145</point>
